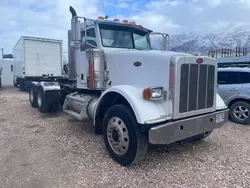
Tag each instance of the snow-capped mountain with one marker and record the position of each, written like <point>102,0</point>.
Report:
<point>192,42</point>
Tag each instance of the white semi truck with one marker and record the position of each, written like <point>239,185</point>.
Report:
<point>134,95</point>
<point>38,59</point>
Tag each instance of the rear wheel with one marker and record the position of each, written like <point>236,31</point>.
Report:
<point>33,97</point>
<point>124,141</point>
<point>42,101</point>
<point>240,112</point>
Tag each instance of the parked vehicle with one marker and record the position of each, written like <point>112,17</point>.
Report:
<point>7,71</point>
<point>240,61</point>
<point>133,95</point>
<point>38,59</point>
<point>234,88</point>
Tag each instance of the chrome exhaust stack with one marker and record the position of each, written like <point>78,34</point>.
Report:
<point>74,44</point>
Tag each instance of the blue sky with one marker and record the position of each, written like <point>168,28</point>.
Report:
<point>51,18</point>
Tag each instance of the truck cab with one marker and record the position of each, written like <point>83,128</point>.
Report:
<point>133,94</point>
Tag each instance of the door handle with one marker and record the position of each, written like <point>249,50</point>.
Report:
<point>234,89</point>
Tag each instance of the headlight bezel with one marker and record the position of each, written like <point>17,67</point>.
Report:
<point>158,91</point>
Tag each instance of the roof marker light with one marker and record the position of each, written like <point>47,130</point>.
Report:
<point>125,21</point>
<point>116,20</point>
<point>100,17</point>
<point>132,22</point>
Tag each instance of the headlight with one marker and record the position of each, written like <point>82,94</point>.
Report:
<point>153,93</point>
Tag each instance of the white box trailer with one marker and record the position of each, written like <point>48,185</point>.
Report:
<point>38,58</point>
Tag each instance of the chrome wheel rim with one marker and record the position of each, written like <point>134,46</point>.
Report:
<point>39,99</point>
<point>241,112</point>
<point>118,136</point>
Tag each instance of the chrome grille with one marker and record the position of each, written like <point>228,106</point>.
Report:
<point>196,87</point>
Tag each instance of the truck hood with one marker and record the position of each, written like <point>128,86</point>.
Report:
<point>109,51</point>
<point>153,69</point>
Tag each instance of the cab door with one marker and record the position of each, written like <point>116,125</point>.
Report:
<point>83,62</point>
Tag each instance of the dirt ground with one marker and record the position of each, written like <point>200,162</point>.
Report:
<point>38,150</point>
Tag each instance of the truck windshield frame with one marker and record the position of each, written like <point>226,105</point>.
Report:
<point>121,36</point>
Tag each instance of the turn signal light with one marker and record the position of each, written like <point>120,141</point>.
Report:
<point>146,93</point>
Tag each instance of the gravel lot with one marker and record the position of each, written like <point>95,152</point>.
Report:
<point>38,150</point>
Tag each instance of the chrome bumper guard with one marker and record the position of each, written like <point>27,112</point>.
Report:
<point>175,131</point>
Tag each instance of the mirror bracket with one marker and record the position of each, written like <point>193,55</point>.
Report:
<point>165,37</point>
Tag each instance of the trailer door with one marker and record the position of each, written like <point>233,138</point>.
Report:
<point>42,58</point>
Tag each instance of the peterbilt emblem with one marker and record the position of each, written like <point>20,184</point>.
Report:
<point>199,60</point>
<point>137,64</point>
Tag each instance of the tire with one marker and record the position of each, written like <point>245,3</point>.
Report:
<point>33,97</point>
<point>197,137</point>
<point>236,108</point>
<point>42,101</point>
<point>135,141</point>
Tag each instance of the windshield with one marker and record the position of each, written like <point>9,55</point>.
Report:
<point>123,37</point>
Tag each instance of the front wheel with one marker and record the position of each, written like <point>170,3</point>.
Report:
<point>240,112</point>
<point>124,141</point>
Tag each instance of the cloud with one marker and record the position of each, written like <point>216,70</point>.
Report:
<point>41,18</point>
<point>51,19</point>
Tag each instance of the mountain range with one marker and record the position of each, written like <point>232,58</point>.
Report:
<point>195,43</point>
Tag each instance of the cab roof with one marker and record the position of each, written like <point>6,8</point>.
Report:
<point>119,23</point>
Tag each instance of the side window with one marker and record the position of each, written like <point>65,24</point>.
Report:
<point>91,39</point>
<point>141,41</point>
<point>228,78</point>
<point>244,77</point>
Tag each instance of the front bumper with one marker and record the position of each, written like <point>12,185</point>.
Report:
<point>175,131</point>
